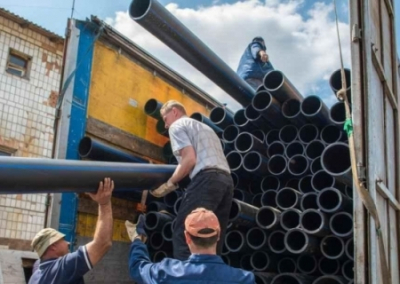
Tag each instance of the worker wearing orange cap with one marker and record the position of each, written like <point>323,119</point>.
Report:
<point>202,231</point>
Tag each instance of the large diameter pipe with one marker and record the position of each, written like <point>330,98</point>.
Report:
<point>315,222</point>
<point>316,165</point>
<point>257,239</point>
<point>262,261</point>
<point>331,200</point>
<point>308,133</point>
<point>157,242</point>
<point>152,15</point>
<point>298,242</point>
<point>288,198</point>
<point>258,133</point>
<point>292,112</point>
<point>246,142</point>
<point>242,195</point>
<point>290,219</point>
<point>235,161</point>
<point>152,108</point>
<point>269,108</point>
<point>235,241</point>
<point>156,206</point>
<point>288,134</point>
<point>314,149</point>
<point>341,224</point>
<point>177,205</point>
<point>305,184</point>
<point>243,214</point>
<point>348,270</point>
<point>276,148</point>
<point>155,221</point>
<point>160,128</point>
<point>277,166</point>
<point>93,149</point>
<point>256,201</point>
<point>328,266</point>
<point>240,120</point>
<point>203,119</point>
<point>279,86</point>
<point>307,264</point>
<point>298,165</point>
<point>171,198</point>
<point>276,242</point>
<point>337,114</point>
<point>332,247</point>
<point>268,198</point>
<point>167,230</point>
<point>239,181</point>
<point>31,175</point>
<point>257,119</point>
<point>255,163</point>
<point>329,279</point>
<point>230,134</point>
<point>294,148</point>
<point>221,117</point>
<point>335,160</point>
<point>287,265</point>
<point>331,134</point>
<point>335,81</point>
<point>270,183</point>
<point>268,218</point>
<point>321,180</point>
<point>314,109</point>
<point>349,249</point>
<point>271,136</point>
<point>292,278</point>
<point>309,201</point>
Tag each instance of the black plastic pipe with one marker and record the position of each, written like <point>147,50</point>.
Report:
<point>316,165</point>
<point>314,149</point>
<point>269,108</point>
<point>263,277</point>
<point>256,201</point>
<point>276,148</point>
<point>328,266</point>
<point>270,183</point>
<point>152,15</point>
<point>293,183</point>
<point>329,161</point>
<point>298,242</point>
<point>167,231</point>
<point>268,198</point>
<point>341,224</point>
<point>288,198</point>
<point>235,241</point>
<point>279,86</point>
<point>268,218</point>
<point>308,133</point>
<point>177,205</point>
<point>262,261</point>
<point>305,184</point>
<point>202,118</point>
<point>292,278</point>
<point>152,108</point>
<point>31,175</point>
<point>230,134</point>
<point>243,214</point>
<point>335,81</point>
<point>330,279</point>
<point>292,112</point>
<point>331,134</point>
<point>242,195</point>
<point>332,247</point>
<point>309,201</point>
<point>156,206</point>
<point>271,136</point>
<point>314,109</point>
<point>337,114</point>
<point>235,161</point>
<point>160,128</point>
<point>93,149</point>
<point>239,181</point>
<point>171,198</point>
<point>155,221</point>
<point>246,142</point>
<point>315,222</point>
<point>298,165</point>
<point>255,185</point>
<point>156,241</point>
<point>221,117</point>
<point>349,249</point>
<point>348,270</point>
<point>287,265</point>
<point>348,192</point>
<point>255,164</point>
<point>240,120</point>
<point>288,134</point>
<point>277,166</point>
<point>258,133</point>
<point>290,219</point>
<point>276,242</point>
<point>307,264</point>
<point>257,239</point>
<point>257,119</point>
<point>321,180</point>
<point>331,200</point>
<point>294,148</point>
<point>245,262</point>
<point>159,256</point>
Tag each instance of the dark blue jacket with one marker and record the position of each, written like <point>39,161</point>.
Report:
<point>199,268</point>
<point>250,65</point>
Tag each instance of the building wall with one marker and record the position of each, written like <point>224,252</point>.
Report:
<point>27,111</point>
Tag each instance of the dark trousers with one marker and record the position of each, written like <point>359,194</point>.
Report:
<point>211,190</point>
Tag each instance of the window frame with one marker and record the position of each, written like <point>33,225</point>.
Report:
<point>12,66</point>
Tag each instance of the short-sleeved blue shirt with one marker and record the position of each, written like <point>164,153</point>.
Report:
<point>68,269</point>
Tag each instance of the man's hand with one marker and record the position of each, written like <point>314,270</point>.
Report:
<point>164,189</point>
<point>103,194</point>
<point>136,230</point>
<point>263,56</point>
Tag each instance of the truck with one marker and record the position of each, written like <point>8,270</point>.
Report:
<point>107,80</point>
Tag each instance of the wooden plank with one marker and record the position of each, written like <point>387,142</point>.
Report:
<point>123,139</point>
<point>387,194</point>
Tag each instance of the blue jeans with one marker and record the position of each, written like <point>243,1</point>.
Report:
<point>212,190</point>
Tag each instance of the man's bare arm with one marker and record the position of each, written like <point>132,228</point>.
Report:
<point>102,240</point>
<point>186,164</point>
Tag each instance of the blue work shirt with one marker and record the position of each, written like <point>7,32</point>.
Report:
<point>199,268</point>
<point>68,269</point>
<point>250,65</point>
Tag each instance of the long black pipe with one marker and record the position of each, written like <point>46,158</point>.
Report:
<point>268,218</point>
<point>291,110</point>
<point>246,142</point>
<point>152,108</point>
<point>314,109</point>
<point>257,119</point>
<point>276,148</point>
<point>221,117</point>
<point>294,148</point>
<point>256,201</point>
<point>331,134</point>
<point>298,165</point>
<point>316,165</point>
<point>298,242</point>
<point>160,128</point>
<point>156,241</point>
<point>230,134</point>
<point>331,279</point>
<point>277,166</point>
<point>245,262</point>
<point>270,182</point>
<point>239,181</point>
<point>341,224</point>
<point>262,261</point>
<point>331,200</point>
<point>287,265</point>
<point>235,161</point>
<point>290,219</point>
<point>321,180</point>
<point>276,242</point>
<point>293,183</point>
<point>341,171</point>
<point>337,114</point>
<point>258,133</point>
<point>309,201</point>
<point>269,108</point>
<point>159,256</point>
<point>268,198</point>
<point>167,150</point>
<point>349,249</point>
<point>279,86</point>
<point>271,136</point>
<point>332,247</point>
<point>235,241</point>
<point>255,163</point>
<point>305,184</point>
<point>308,133</point>
<point>348,270</point>
<point>307,264</point>
<point>328,266</point>
<point>156,206</point>
<point>243,214</point>
<point>30,175</point>
<point>288,134</point>
<point>171,198</point>
<point>257,239</point>
<point>335,81</point>
<point>315,222</point>
<point>240,120</point>
<point>288,198</point>
<point>177,205</point>
<point>314,149</point>
<point>292,278</point>
<point>200,117</point>
<point>151,15</point>
<point>155,221</point>
<point>167,231</point>
<point>242,195</point>
<point>93,149</point>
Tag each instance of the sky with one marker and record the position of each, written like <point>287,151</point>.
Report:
<point>300,34</point>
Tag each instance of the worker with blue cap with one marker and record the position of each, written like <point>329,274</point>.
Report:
<point>254,63</point>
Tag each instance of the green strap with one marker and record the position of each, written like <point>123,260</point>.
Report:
<point>348,126</point>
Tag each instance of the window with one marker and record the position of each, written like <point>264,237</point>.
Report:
<point>18,63</point>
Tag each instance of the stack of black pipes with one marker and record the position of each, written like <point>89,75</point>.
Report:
<point>292,215</point>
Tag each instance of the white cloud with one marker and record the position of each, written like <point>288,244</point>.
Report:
<point>304,48</point>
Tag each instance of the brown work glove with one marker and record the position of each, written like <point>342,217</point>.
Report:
<point>164,189</point>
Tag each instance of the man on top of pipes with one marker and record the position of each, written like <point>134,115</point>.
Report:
<point>200,155</point>
<point>202,232</point>
<point>254,63</point>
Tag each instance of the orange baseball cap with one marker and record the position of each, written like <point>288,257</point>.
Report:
<point>199,219</point>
